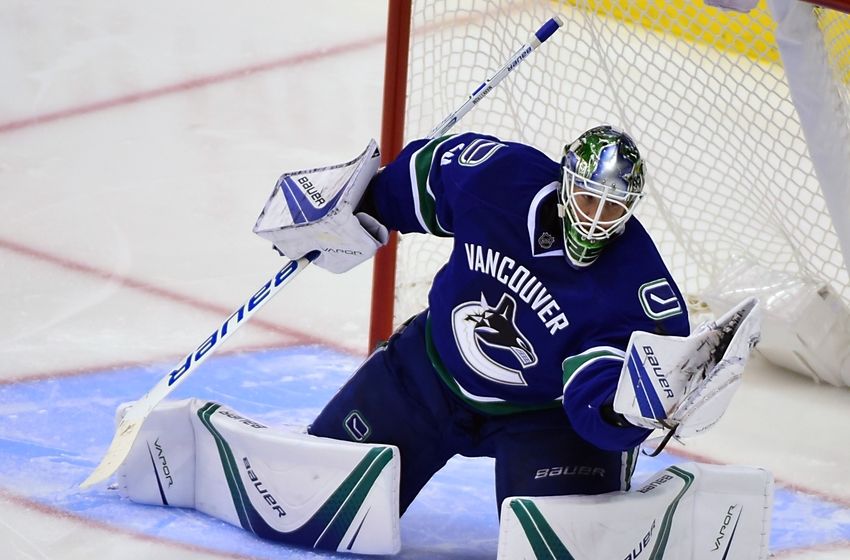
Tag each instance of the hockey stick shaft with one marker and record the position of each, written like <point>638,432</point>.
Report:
<point>130,425</point>
<point>539,37</point>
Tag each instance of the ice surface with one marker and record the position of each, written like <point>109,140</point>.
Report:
<point>48,451</point>
<point>138,142</point>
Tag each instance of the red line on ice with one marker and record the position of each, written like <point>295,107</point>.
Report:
<point>797,552</point>
<point>821,495</point>
<point>190,84</point>
<point>113,529</point>
<point>296,335</point>
<point>115,366</point>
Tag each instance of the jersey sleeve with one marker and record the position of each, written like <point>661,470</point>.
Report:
<point>591,376</point>
<point>424,187</point>
<point>590,381</point>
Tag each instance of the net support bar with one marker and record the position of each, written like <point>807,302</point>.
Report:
<point>818,105</point>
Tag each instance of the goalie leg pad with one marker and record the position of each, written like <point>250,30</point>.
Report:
<point>288,487</point>
<point>160,469</point>
<point>689,512</point>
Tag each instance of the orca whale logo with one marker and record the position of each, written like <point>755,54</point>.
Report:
<point>480,328</point>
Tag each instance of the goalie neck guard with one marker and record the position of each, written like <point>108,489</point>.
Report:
<point>603,178</point>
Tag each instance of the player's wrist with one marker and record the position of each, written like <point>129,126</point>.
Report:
<point>368,205</point>
<point>612,417</point>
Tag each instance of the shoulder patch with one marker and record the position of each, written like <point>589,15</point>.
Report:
<point>479,151</point>
<point>658,299</point>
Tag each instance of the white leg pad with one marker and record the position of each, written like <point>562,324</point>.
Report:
<point>289,487</point>
<point>160,469</point>
<point>690,511</point>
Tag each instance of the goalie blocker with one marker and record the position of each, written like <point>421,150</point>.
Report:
<point>287,487</point>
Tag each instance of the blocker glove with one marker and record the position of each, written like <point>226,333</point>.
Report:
<point>314,210</point>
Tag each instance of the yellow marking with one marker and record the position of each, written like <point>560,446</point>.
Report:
<point>692,21</point>
<point>751,34</point>
<point>836,32</point>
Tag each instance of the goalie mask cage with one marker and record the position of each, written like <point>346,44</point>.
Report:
<point>747,150</point>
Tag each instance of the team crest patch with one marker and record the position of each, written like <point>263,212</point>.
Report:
<point>658,299</point>
<point>490,342</point>
<point>546,240</point>
<point>356,426</point>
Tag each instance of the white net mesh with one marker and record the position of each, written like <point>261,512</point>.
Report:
<point>700,90</point>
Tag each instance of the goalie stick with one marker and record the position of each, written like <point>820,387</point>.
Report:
<point>131,423</point>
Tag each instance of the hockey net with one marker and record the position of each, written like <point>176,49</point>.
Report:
<point>702,90</point>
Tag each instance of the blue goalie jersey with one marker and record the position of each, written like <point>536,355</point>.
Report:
<point>512,326</point>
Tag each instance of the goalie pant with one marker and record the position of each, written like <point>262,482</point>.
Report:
<point>396,397</point>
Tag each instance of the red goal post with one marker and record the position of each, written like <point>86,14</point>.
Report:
<point>392,141</point>
<point>838,5</point>
<point>721,82</point>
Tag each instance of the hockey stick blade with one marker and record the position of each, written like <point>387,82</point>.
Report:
<point>129,427</point>
<point>119,448</point>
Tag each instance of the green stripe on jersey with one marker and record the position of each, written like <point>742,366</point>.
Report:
<point>421,164</point>
<point>574,363</point>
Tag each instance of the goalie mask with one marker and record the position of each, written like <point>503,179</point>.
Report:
<point>603,177</point>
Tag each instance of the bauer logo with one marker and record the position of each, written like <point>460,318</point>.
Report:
<point>307,187</point>
<point>305,199</point>
<point>241,419</point>
<point>642,545</point>
<point>650,486</point>
<point>574,470</point>
<point>653,365</point>
<point>648,388</point>
<point>658,299</point>
<point>261,489</point>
